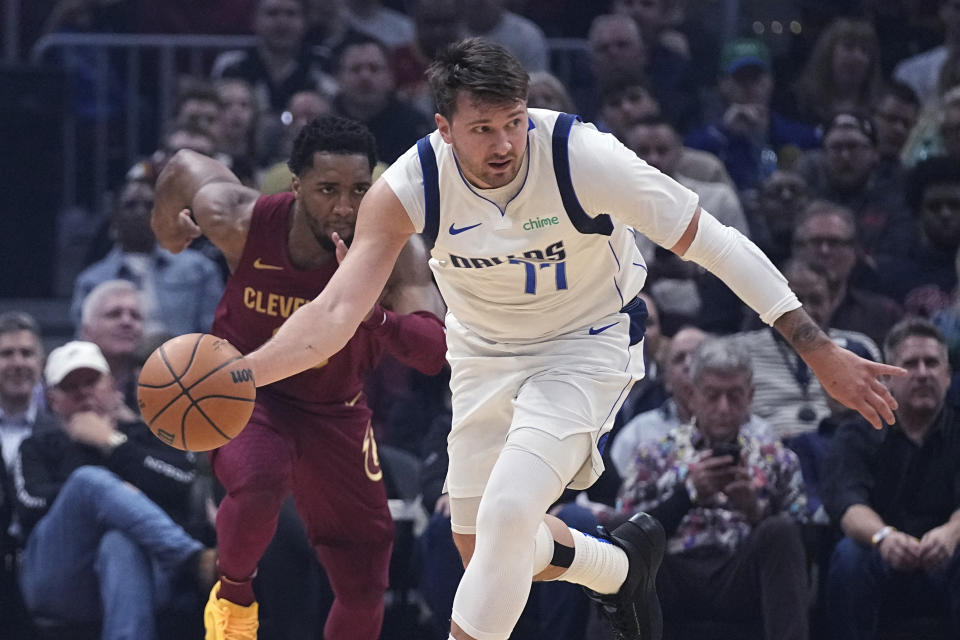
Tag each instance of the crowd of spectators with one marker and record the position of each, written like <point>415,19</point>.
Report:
<point>786,515</point>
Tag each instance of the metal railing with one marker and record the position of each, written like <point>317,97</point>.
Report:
<point>104,50</point>
<point>168,56</point>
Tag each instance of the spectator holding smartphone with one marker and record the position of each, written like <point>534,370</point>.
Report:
<point>730,504</point>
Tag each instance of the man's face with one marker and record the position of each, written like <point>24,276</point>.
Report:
<point>131,220</point>
<point>616,46</point>
<point>117,326</point>
<point>658,145</point>
<point>747,85</point>
<point>827,240</point>
<point>238,109</point>
<point>950,130</point>
<point>82,390</point>
<point>924,388</point>
<point>489,139</point>
<point>329,193</point>
<point>627,108</point>
<point>677,363</point>
<point>849,157</point>
<point>721,403</point>
<point>893,121</point>
<point>202,114</point>
<point>814,294</point>
<point>940,216</point>
<point>280,25</point>
<point>365,75</point>
<point>851,60</point>
<point>20,364</point>
<point>780,199</point>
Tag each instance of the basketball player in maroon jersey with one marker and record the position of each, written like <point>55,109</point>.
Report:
<point>309,434</point>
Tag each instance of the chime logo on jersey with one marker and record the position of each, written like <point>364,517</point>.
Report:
<point>553,253</point>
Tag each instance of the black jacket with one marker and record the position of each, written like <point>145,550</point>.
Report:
<point>48,457</point>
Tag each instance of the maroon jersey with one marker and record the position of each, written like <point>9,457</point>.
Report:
<point>265,289</point>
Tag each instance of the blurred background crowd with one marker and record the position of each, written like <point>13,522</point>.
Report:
<point>828,131</point>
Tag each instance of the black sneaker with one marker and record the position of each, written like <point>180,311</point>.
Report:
<point>634,611</point>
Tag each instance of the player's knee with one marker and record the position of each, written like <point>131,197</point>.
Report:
<point>508,512</point>
<point>263,483</point>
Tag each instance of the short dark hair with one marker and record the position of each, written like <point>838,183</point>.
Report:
<point>199,91</point>
<point>358,40</point>
<point>934,170</point>
<point>11,321</point>
<point>654,121</point>
<point>822,207</point>
<point>486,70</point>
<point>901,91</point>
<point>908,328</point>
<point>618,82</point>
<point>331,134</point>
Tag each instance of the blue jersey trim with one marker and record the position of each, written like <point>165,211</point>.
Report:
<point>503,212</point>
<point>431,188</point>
<point>610,244</point>
<point>581,220</point>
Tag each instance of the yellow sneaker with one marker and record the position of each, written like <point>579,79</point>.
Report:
<point>225,620</point>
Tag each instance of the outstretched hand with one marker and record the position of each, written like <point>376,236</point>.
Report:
<point>855,381</point>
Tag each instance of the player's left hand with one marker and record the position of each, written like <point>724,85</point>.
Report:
<point>855,382</point>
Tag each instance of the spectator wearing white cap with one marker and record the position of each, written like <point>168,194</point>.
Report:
<point>101,499</point>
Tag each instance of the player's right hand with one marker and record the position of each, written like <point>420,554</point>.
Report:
<point>176,234</point>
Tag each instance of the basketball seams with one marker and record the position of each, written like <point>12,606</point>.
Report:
<point>211,372</point>
<point>225,397</point>
<point>209,381</point>
<point>183,423</point>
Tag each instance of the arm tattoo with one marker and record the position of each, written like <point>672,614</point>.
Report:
<point>801,331</point>
<point>807,335</point>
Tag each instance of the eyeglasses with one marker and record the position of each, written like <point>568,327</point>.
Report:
<point>823,241</point>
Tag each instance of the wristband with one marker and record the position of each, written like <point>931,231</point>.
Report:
<point>879,536</point>
<point>114,440</point>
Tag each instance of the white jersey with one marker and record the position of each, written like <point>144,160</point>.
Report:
<point>541,267</point>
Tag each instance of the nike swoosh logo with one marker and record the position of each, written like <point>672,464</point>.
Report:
<point>595,330</point>
<point>258,264</point>
<point>454,231</point>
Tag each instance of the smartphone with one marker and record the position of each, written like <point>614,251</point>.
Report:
<point>727,449</point>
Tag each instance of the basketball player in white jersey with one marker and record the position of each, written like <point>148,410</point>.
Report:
<point>532,214</point>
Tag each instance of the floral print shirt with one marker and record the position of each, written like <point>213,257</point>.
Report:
<point>661,468</point>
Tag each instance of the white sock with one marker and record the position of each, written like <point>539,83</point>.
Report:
<point>597,564</point>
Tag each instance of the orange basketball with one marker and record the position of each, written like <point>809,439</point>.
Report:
<point>195,393</point>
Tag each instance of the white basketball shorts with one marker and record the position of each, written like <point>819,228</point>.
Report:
<point>570,384</point>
